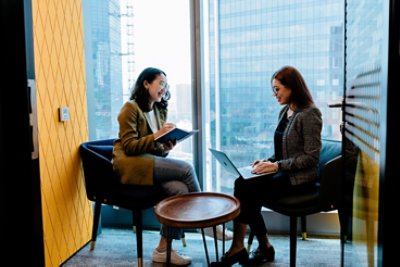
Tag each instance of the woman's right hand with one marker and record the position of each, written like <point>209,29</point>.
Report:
<point>254,163</point>
<point>165,128</point>
<point>264,166</point>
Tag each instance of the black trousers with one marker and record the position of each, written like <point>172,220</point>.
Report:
<point>255,191</point>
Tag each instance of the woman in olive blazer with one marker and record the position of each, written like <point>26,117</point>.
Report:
<point>140,160</point>
<point>135,149</point>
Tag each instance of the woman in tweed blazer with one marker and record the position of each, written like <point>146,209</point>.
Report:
<point>297,144</point>
<point>139,160</point>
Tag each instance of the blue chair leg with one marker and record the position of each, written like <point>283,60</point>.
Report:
<point>293,240</point>
<point>96,219</point>
<point>137,221</point>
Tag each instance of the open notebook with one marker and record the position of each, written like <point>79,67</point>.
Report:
<point>176,134</point>
<point>244,172</point>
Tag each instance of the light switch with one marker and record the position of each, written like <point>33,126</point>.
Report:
<point>64,113</point>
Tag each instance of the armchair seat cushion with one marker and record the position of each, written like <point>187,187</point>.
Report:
<point>297,204</point>
<point>298,200</point>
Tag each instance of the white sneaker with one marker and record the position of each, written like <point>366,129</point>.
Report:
<point>209,232</point>
<point>176,259</point>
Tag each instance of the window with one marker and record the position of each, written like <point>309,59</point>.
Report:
<point>244,43</point>
<point>122,37</point>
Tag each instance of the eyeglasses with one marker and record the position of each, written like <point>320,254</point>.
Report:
<point>275,90</point>
<point>164,85</point>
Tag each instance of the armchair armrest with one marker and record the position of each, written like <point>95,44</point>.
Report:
<point>100,179</point>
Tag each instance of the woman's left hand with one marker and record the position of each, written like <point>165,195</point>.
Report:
<point>169,146</point>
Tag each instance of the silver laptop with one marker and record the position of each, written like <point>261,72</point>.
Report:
<point>244,172</point>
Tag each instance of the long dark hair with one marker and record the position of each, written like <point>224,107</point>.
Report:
<point>141,95</point>
<point>291,78</point>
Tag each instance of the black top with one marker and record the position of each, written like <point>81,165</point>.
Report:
<point>278,137</point>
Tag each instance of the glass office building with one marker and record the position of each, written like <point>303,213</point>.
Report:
<point>247,42</point>
<point>109,62</point>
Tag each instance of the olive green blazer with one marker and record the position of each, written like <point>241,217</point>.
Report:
<point>135,148</point>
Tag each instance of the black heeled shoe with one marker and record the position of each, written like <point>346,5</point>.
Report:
<point>240,257</point>
<point>259,257</point>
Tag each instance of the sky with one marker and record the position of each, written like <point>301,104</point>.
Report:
<point>162,37</point>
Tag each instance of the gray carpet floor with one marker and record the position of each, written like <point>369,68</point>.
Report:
<point>117,248</point>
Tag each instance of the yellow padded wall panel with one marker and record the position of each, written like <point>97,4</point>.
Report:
<point>60,81</point>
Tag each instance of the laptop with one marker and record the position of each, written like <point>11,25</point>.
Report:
<point>244,172</point>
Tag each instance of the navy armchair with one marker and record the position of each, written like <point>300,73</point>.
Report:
<point>325,197</point>
<point>103,187</point>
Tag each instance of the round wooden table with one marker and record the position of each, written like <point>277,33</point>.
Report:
<point>197,210</point>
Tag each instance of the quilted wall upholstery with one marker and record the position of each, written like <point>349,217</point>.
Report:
<point>60,81</point>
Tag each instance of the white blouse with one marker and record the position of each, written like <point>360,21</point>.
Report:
<point>153,121</point>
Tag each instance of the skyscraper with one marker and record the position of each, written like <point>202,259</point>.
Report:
<point>248,41</point>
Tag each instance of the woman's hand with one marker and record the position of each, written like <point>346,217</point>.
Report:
<point>260,167</point>
<point>168,126</point>
<point>168,146</point>
<point>254,163</point>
